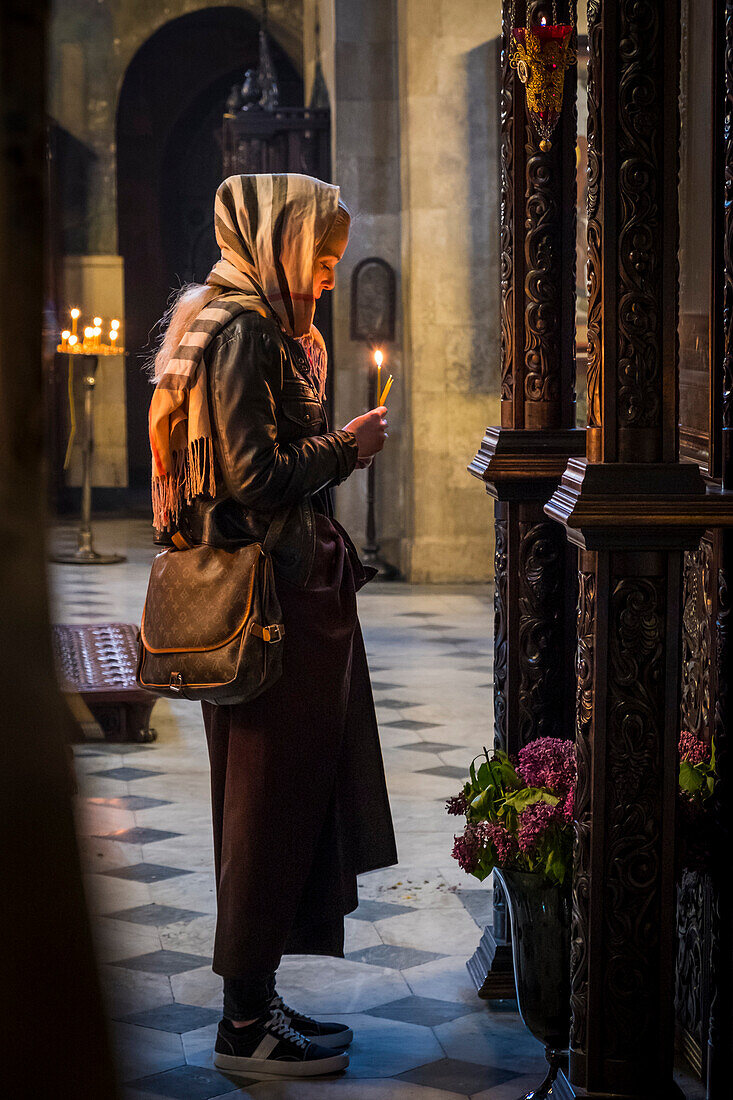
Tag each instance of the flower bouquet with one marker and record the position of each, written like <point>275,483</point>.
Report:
<point>518,814</point>
<point>697,775</point>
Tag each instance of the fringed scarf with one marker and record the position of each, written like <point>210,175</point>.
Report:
<point>269,228</point>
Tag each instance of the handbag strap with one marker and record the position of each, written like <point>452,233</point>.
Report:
<point>275,530</point>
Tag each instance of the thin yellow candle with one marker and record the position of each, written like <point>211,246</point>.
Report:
<point>387,388</point>
<point>75,314</point>
<point>379,359</point>
<point>88,338</point>
<point>65,339</point>
<point>73,340</point>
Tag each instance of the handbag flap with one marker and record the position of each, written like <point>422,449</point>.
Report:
<point>198,599</point>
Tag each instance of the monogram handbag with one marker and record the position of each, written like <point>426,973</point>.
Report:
<point>212,626</point>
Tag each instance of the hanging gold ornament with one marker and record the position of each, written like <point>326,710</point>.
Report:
<point>541,53</point>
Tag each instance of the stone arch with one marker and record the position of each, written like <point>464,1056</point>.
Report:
<point>168,166</point>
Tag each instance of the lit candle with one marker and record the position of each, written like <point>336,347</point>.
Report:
<point>88,338</point>
<point>113,334</point>
<point>379,359</point>
<point>64,339</point>
<point>73,340</point>
<point>75,313</point>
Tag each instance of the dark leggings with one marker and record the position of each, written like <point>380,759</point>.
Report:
<point>246,998</point>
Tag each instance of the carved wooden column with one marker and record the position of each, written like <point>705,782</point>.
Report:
<point>632,508</point>
<point>521,461</point>
<point>720,1040</point>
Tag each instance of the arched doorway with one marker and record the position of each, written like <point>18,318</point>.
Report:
<point>168,167</point>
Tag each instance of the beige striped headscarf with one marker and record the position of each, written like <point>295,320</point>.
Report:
<point>269,228</point>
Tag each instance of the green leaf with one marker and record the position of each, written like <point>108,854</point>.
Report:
<point>530,796</point>
<point>690,779</point>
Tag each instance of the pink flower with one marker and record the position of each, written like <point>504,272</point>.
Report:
<point>693,749</point>
<point>534,821</point>
<point>466,848</point>
<point>503,841</point>
<point>548,762</point>
<point>567,806</point>
<point>456,804</point>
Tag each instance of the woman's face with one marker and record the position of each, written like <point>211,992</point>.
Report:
<point>334,246</point>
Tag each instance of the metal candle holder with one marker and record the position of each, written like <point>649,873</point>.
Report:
<point>373,322</point>
<point>88,351</point>
<point>370,550</point>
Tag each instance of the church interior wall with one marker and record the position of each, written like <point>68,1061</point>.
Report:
<point>413,94</point>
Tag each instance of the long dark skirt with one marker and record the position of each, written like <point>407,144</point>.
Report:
<point>299,800</point>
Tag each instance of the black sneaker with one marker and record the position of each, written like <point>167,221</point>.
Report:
<point>271,1046</point>
<point>326,1035</point>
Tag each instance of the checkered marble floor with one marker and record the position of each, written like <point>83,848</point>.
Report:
<point>144,826</point>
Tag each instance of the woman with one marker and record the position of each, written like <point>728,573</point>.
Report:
<point>238,432</point>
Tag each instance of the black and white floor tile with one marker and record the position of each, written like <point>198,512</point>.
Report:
<point>143,819</point>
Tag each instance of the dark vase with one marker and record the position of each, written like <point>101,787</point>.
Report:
<point>540,915</point>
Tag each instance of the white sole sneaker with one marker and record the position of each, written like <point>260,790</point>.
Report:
<point>280,1067</point>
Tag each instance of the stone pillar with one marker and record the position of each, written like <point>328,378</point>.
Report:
<point>632,508</point>
<point>522,461</point>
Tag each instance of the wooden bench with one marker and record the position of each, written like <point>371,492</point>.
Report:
<point>98,662</point>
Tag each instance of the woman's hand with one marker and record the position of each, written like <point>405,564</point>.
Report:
<point>370,431</point>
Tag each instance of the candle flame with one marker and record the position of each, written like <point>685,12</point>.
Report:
<point>115,324</point>
<point>97,321</point>
<point>75,312</point>
<point>73,340</point>
<point>89,332</point>
<point>378,357</point>
<point>113,334</point>
<point>65,334</point>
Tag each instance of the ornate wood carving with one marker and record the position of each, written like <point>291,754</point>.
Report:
<point>641,249</point>
<point>537,254</point>
<point>595,225</point>
<point>549,259</point>
<point>542,645</point>
<point>721,948</point>
<point>507,220</point>
<point>697,655</point>
<point>500,626</point>
<point>542,285</point>
<point>727,366</point>
<point>633,129</point>
<point>631,876</point>
<point>582,852</point>
<point>693,952</point>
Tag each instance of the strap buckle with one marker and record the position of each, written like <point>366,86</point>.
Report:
<point>272,633</point>
<point>176,683</point>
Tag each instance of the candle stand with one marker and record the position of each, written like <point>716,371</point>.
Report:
<point>370,551</point>
<point>85,554</point>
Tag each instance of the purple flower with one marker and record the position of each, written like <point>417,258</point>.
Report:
<point>534,822</point>
<point>466,848</point>
<point>693,749</point>
<point>503,841</point>
<point>456,804</point>
<point>548,762</point>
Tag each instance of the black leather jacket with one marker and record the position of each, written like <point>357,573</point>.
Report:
<point>271,445</point>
